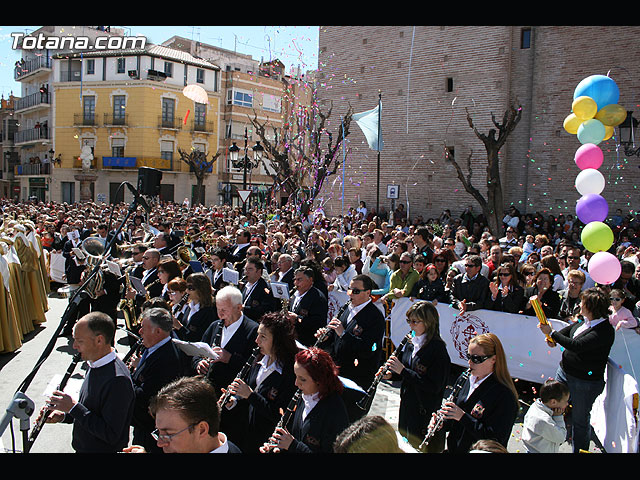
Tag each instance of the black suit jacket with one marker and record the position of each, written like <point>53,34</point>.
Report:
<point>490,413</point>
<point>259,300</point>
<point>319,430</point>
<point>513,303</point>
<point>158,369</point>
<point>240,346</point>
<point>358,352</point>
<point>197,324</point>
<point>312,311</point>
<point>240,256</point>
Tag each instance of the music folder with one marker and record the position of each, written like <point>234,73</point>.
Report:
<point>138,285</point>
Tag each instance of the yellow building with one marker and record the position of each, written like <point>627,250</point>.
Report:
<point>122,110</point>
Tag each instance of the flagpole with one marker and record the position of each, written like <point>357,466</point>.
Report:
<point>378,169</point>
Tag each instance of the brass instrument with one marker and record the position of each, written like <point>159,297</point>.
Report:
<point>130,246</point>
<point>45,415</point>
<point>439,416</point>
<point>93,249</point>
<point>128,308</point>
<point>242,375</point>
<point>365,402</point>
<point>185,255</point>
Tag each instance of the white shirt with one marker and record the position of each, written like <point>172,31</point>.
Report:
<point>474,382</point>
<point>417,342</point>
<point>310,401</point>
<point>586,325</point>
<point>109,357</point>
<point>266,369</point>
<point>224,445</point>
<point>297,297</point>
<point>227,332</point>
<point>353,311</point>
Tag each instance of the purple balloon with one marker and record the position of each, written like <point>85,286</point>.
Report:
<point>592,208</point>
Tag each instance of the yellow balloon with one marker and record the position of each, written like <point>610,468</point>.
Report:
<point>571,123</point>
<point>612,114</point>
<point>608,132</point>
<point>584,107</point>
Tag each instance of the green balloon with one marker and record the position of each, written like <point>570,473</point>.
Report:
<point>597,237</point>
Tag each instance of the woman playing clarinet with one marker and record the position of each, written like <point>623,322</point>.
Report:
<point>270,383</point>
<point>487,404</point>
<point>423,367</point>
<point>320,414</point>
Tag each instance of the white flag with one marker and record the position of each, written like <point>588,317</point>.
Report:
<point>369,122</point>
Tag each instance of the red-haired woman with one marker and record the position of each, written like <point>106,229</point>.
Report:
<point>320,414</point>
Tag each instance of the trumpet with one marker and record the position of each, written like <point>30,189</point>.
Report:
<point>242,375</point>
<point>431,430</point>
<point>365,402</point>
<point>130,246</point>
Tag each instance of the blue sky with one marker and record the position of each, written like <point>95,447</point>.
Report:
<point>293,45</point>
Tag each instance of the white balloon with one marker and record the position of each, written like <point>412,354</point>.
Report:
<point>590,180</point>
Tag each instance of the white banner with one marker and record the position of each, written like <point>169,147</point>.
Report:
<point>56,267</point>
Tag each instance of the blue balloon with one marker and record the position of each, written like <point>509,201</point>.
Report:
<point>602,89</point>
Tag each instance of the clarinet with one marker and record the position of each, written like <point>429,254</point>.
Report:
<point>244,371</point>
<point>365,401</point>
<point>285,417</point>
<point>439,416</point>
<point>326,331</point>
<point>45,415</point>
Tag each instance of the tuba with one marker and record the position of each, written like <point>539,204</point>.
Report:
<point>93,249</point>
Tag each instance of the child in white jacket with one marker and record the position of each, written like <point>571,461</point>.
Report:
<point>543,429</point>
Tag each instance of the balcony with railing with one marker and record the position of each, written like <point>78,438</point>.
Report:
<point>170,122</point>
<point>202,126</point>
<point>33,100</point>
<point>119,120</point>
<point>32,135</point>
<point>24,68</point>
<point>84,120</point>
<point>32,169</point>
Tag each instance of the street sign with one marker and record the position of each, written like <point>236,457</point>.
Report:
<point>244,195</point>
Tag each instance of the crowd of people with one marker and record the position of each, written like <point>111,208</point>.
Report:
<point>282,374</point>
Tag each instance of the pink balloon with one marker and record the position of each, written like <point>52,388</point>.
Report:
<point>604,268</point>
<point>589,155</point>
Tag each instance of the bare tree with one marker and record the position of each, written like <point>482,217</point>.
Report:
<point>298,163</point>
<point>493,205</point>
<point>200,167</point>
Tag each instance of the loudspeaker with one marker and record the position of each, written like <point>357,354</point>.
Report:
<point>149,181</point>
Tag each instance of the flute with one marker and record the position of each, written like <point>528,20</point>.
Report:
<point>431,431</point>
<point>365,401</point>
<point>244,371</point>
<point>542,318</point>
<point>45,415</point>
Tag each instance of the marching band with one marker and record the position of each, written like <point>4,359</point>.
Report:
<point>228,302</point>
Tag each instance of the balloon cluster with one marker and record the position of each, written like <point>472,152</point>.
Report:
<point>595,113</point>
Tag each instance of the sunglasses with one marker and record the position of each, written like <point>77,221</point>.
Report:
<point>471,265</point>
<point>504,274</point>
<point>616,299</point>
<point>356,291</point>
<point>405,261</point>
<point>477,359</point>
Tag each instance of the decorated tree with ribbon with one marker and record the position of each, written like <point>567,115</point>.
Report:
<point>595,113</point>
<point>493,205</point>
<point>299,159</point>
<point>200,167</point>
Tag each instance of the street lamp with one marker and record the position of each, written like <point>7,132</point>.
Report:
<point>627,135</point>
<point>245,162</point>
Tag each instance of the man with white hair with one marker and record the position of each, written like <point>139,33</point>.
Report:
<point>232,337</point>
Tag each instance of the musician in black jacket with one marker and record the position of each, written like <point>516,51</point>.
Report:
<point>256,294</point>
<point>487,404</point>
<point>308,307</point>
<point>160,363</point>
<point>585,350</point>
<point>356,342</point>
<point>320,414</point>
<point>232,338</point>
<point>202,311</point>
<point>423,367</point>
<point>270,383</point>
